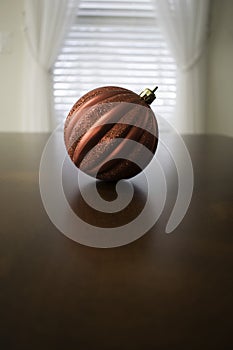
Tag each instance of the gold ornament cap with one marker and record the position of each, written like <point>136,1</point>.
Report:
<point>148,95</point>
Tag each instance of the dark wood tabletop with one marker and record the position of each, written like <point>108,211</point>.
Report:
<point>163,291</point>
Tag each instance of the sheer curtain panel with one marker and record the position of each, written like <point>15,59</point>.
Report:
<point>45,24</point>
<point>184,24</point>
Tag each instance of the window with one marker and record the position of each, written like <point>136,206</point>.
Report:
<point>114,42</point>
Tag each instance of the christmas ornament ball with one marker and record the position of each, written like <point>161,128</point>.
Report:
<point>106,115</point>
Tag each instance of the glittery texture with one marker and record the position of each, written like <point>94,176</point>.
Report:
<point>91,145</point>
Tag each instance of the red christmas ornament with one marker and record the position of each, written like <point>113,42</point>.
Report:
<point>99,125</point>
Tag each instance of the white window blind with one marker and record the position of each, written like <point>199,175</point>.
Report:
<point>114,42</point>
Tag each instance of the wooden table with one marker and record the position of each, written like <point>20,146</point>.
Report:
<point>160,292</point>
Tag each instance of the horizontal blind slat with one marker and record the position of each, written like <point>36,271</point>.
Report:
<point>109,64</point>
<point>109,57</point>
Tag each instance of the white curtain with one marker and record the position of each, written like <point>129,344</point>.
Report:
<point>184,24</point>
<point>46,22</point>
